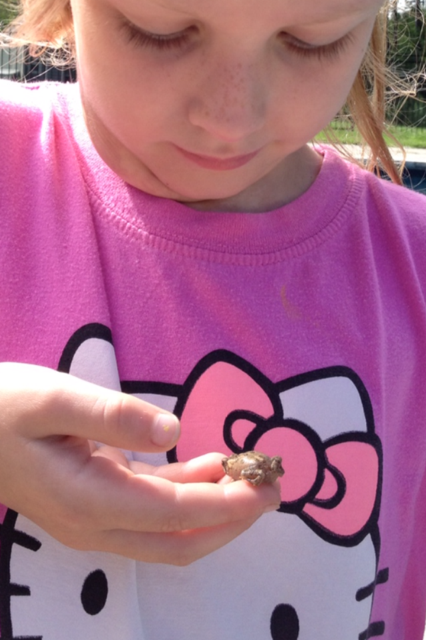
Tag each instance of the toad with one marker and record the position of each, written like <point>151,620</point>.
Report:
<point>253,466</point>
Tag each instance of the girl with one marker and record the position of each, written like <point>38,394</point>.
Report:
<point>167,232</point>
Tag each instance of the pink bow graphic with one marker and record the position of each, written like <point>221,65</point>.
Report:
<point>332,486</point>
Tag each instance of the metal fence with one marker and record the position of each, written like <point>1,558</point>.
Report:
<point>409,112</point>
<point>17,64</point>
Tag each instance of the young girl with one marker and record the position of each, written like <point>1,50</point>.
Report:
<point>167,232</point>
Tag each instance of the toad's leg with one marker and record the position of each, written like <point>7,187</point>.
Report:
<point>254,475</point>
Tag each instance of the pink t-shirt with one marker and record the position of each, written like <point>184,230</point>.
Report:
<point>300,332</point>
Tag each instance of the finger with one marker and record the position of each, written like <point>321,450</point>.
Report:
<point>53,403</point>
<point>114,454</point>
<point>110,494</point>
<point>206,468</point>
<point>179,548</point>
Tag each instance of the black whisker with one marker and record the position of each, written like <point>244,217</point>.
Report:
<point>19,590</point>
<point>375,629</point>
<point>365,592</point>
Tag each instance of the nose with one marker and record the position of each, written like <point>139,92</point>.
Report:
<point>230,102</point>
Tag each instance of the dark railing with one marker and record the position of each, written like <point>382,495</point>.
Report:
<point>409,112</point>
<point>17,64</point>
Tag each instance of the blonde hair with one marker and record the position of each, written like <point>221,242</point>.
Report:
<point>43,24</point>
<point>366,103</point>
<point>48,25</point>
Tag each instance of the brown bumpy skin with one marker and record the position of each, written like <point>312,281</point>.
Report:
<point>254,467</point>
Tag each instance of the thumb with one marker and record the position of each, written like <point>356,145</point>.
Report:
<point>49,403</point>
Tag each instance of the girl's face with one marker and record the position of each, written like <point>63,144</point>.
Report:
<point>212,102</point>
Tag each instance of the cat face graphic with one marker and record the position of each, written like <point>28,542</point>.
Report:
<point>308,570</point>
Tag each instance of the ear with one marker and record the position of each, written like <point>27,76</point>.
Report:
<point>89,354</point>
<point>331,401</point>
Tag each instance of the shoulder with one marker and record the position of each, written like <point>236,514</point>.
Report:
<point>400,201</point>
<point>392,220</point>
<point>376,201</point>
<point>385,223</point>
<point>18,97</point>
<point>26,108</point>
<point>31,118</point>
<point>24,103</point>
<point>387,211</point>
<point>394,210</point>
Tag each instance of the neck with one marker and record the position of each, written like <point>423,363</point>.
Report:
<point>285,183</point>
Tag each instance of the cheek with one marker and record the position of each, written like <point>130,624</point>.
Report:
<point>118,83</point>
<point>128,101</point>
<point>319,96</point>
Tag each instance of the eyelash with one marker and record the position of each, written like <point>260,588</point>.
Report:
<point>155,41</point>
<point>179,41</point>
<point>321,52</point>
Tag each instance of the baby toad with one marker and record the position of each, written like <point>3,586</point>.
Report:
<point>253,466</point>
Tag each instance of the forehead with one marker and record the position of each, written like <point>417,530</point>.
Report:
<point>289,11</point>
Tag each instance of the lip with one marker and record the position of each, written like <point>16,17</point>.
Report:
<point>218,164</point>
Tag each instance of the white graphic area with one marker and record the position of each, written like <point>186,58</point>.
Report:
<point>330,406</point>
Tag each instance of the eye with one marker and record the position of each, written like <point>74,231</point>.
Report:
<point>303,49</point>
<point>160,42</point>
<point>94,593</point>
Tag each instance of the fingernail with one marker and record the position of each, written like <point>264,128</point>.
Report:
<point>165,430</point>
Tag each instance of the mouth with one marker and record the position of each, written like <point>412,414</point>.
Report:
<point>217,163</point>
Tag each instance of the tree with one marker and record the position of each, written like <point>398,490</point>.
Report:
<point>8,9</point>
<point>407,59</point>
<point>407,38</point>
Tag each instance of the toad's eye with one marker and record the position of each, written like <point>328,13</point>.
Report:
<point>160,42</point>
<point>330,51</point>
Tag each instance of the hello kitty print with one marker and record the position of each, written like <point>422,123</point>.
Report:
<point>308,570</point>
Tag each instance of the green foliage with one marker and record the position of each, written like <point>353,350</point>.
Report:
<point>8,9</point>
<point>407,61</point>
<point>407,38</point>
<point>414,137</point>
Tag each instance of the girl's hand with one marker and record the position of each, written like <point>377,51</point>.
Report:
<point>92,498</point>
